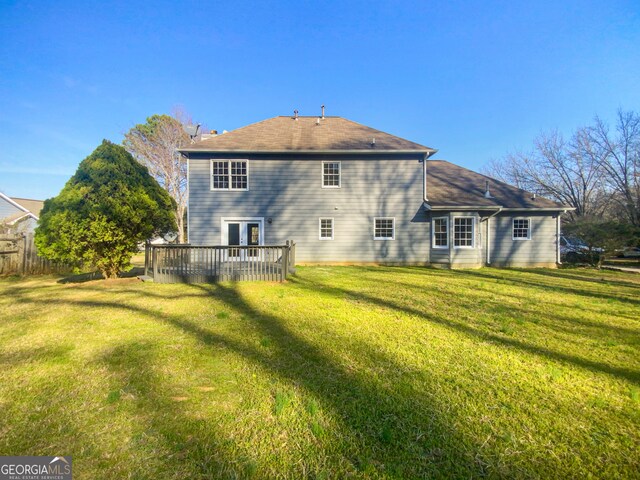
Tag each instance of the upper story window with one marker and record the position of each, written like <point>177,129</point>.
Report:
<point>229,174</point>
<point>330,174</point>
<point>521,229</point>
<point>463,232</point>
<point>326,228</point>
<point>441,232</point>
<point>384,228</point>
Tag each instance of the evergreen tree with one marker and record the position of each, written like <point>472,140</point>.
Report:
<point>109,206</point>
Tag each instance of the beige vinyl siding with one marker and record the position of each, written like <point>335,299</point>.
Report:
<point>288,189</point>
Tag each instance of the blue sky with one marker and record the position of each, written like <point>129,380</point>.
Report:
<point>473,79</point>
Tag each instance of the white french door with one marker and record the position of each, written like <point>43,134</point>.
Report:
<point>242,232</point>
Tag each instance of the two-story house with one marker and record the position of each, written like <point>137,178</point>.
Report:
<point>347,193</point>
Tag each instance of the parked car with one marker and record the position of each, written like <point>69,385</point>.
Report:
<point>632,252</point>
<point>575,250</point>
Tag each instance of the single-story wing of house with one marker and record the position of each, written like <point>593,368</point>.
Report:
<point>348,193</point>
<point>19,215</point>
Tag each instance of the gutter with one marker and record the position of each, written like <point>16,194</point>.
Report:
<point>540,209</point>
<point>455,208</point>
<point>427,152</point>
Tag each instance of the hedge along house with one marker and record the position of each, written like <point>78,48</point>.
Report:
<point>347,193</point>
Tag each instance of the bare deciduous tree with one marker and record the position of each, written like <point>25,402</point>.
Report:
<point>568,172</point>
<point>155,144</point>
<point>621,161</point>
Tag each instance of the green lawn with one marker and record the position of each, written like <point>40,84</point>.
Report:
<point>360,372</point>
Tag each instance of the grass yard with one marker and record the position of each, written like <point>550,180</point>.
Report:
<point>342,372</point>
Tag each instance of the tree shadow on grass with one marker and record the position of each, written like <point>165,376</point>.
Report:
<point>461,326</point>
<point>170,442</point>
<point>474,290</point>
<point>554,288</point>
<point>91,276</point>
<point>387,431</point>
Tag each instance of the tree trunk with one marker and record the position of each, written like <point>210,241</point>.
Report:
<point>180,223</point>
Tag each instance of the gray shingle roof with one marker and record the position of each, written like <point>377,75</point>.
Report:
<point>306,134</point>
<point>449,185</point>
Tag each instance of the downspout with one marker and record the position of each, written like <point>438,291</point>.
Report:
<point>424,178</point>
<point>188,201</point>
<point>558,257</point>
<point>489,234</point>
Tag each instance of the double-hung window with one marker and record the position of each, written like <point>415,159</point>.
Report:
<point>326,228</point>
<point>330,174</point>
<point>521,229</point>
<point>384,228</point>
<point>229,174</point>
<point>441,232</point>
<point>463,232</point>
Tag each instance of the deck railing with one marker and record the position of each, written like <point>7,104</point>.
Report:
<point>207,264</point>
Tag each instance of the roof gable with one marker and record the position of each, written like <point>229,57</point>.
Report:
<point>306,134</point>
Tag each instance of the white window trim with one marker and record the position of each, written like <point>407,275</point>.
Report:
<point>393,236</point>
<point>228,160</point>
<point>339,174</point>
<point>473,233</point>
<point>528,237</point>
<point>333,226</point>
<point>433,233</point>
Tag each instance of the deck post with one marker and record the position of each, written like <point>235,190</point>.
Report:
<point>146,258</point>
<point>285,263</point>
<point>154,263</point>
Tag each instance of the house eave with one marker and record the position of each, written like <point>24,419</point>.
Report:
<point>461,207</point>
<point>320,152</point>
<point>494,207</point>
<point>539,209</point>
<point>17,205</point>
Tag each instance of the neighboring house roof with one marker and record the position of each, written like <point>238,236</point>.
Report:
<point>450,186</point>
<point>306,134</point>
<point>33,206</point>
<point>26,208</point>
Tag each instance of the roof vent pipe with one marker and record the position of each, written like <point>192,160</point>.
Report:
<point>322,111</point>
<point>373,142</point>
<point>487,193</point>
<point>295,114</point>
<point>317,121</point>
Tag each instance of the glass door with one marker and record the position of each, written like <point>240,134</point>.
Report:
<point>233,234</point>
<point>253,238</point>
<point>242,233</point>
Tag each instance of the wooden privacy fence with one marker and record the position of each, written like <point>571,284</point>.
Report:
<point>207,264</point>
<point>18,255</point>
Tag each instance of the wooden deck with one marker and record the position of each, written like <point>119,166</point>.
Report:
<point>210,264</point>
